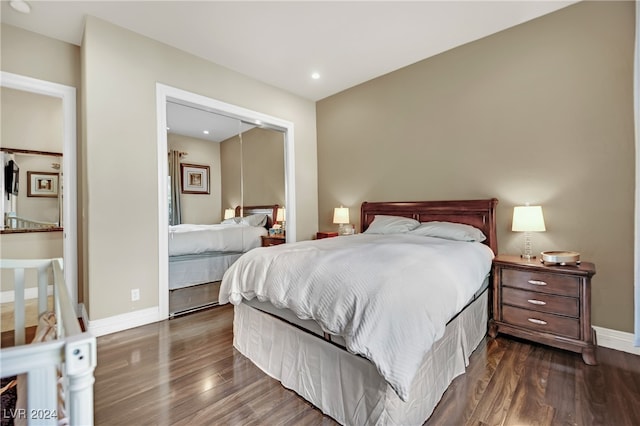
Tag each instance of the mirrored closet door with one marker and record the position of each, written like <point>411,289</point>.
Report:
<point>226,182</point>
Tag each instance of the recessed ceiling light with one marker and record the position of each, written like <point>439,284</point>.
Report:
<point>206,132</point>
<point>20,5</point>
<point>315,75</point>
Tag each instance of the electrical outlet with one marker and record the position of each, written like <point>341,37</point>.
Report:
<point>135,294</point>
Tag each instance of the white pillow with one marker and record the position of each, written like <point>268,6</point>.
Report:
<point>231,221</point>
<point>259,219</point>
<point>382,224</point>
<point>450,231</point>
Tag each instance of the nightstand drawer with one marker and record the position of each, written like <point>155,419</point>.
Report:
<point>320,235</point>
<point>273,240</point>
<point>562,285</point>
<point>542,322</point>
<point>541,302</point>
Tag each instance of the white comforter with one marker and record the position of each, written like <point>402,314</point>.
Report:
<point>195,239</point>
<point>389,296</point>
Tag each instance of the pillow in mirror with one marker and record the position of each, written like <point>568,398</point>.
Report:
<point>231,221</point>
<point>259,219</point>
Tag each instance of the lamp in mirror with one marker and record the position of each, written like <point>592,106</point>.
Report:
<point>281,217</point>
<point>528,219</point>
<point>229,213</point>
<point>341,218</point>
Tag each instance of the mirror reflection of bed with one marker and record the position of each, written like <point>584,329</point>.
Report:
<point>200,254</point>
<point>245,172</point>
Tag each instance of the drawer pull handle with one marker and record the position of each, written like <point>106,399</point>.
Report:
<point>536,302</point>
<point>536,282</point>
<point>537,321</point>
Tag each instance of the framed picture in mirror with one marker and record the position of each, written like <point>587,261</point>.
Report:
<point>195,178</point>
<point>42,184</point>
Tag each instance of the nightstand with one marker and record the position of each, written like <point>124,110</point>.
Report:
<point>273,240</point>
<point>545,304</point>
<point>321,235</point>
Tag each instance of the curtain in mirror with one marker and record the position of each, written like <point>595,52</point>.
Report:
<point>175,214</point>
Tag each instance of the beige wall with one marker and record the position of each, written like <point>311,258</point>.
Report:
<point>231,173</point>
<point>32,122</point>
<point>33,55</point>
<point>262,168</point>
<point>200,208</point>
<point>31,245</point>
<point>120,71</point>
<point>539,113</point>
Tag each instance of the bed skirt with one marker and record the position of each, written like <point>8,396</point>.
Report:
<point>347,387</point>
<point>188,270</point>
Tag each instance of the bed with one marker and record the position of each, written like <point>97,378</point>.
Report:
<point>342,321</point>
<point>49,382</point>
<point>200,254</point>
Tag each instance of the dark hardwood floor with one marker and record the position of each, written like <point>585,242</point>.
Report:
<point>186,372</point>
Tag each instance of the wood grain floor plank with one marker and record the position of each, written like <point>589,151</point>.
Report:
<point>621,378</point>
<point>528,405</point>
<point>494,404</point>
<point>590,396</point>
<point>186,372</point>
<point>561,386</point>
<point>463,396</point>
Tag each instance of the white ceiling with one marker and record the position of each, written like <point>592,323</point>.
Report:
<point>282,43</point>
<point>189,121</point>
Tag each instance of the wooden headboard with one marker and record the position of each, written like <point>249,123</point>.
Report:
<point>478,213</point>
<point>270,210</point>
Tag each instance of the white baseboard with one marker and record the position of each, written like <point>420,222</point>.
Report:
<point>29,293</point>
<point>614,339</point>
<point>122,322</point>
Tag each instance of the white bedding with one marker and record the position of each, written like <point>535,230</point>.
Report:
<point>195,239</point>
<point>389,296</point>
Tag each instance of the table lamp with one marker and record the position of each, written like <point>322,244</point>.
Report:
<point>528,219</point>
<point>280,216</point>
<point>341,218</point>
<point>229,213</point>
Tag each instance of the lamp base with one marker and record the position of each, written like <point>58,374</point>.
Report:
<point>345,229</point>
<point>528,253</point>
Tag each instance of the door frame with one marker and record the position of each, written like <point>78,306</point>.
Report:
<point>69,162</point>
<point>165,93</point>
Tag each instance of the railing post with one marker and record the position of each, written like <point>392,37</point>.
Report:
<point>43,283</point>
<point>80,362</point>
<point>18,306</point>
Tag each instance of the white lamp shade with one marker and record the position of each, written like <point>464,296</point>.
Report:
<point>280,215</point>
<point>528,219</point>
<point>341,215</point>
<point>229,213</point>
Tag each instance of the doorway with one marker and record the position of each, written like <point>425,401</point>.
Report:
<point>69,190</point>
<point>165,94</point>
